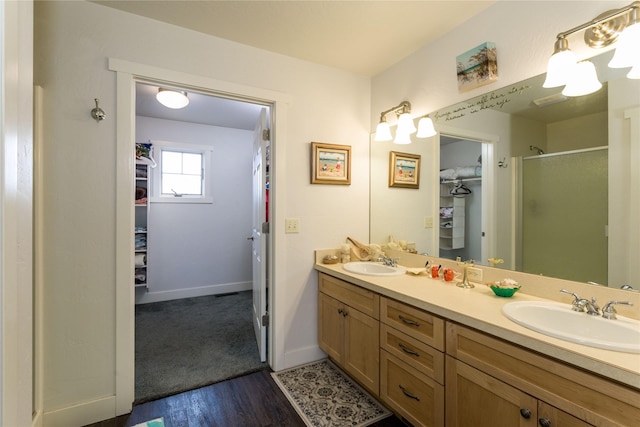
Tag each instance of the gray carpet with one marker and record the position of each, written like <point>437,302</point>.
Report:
<point>193,342</point>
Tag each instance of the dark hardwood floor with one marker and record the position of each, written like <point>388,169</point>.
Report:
<point>250,401</point>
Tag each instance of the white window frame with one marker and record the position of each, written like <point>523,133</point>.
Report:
<point>156,183</point>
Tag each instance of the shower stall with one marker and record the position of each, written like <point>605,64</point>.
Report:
<point>563,215</point>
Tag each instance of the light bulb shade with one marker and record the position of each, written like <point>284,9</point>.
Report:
<point>172,98</point>
<point>383,132</point>
<point>402,138</point>
<point>425,128</point>
<point>405,124</point>
<point>627,48</point>
<point>560,68</point>
<point>634,73</point>
<point>584,80</point>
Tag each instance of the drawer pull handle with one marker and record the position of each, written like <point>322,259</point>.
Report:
<point>407,350</point>
<point>526,413</point>
<point>409,322</point>
<point>406,393</point>
<point>544,422</point>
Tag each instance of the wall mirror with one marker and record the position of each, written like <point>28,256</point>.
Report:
<point>530,127</point>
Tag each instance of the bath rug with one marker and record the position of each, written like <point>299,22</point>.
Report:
<point>323,395</point>
<point>158,422</point>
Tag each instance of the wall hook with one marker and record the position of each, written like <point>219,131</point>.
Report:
<point>502,163</point>
<point>98,113</point>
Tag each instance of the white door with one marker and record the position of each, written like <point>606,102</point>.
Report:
<point>258,234</point>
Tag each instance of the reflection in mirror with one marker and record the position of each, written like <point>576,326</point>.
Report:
<point>531,126</point>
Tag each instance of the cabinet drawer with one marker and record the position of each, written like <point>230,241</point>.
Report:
<point>410,393</point>
<point>589,397</point>
<point>354,296</point>
<point>416,354</point>
<point>414,322</point>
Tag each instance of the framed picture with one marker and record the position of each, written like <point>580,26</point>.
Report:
<point>404,170</point>
<point>477,67</point>
<point>330,164</point>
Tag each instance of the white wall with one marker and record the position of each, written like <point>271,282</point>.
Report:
<point>73,42</point>
<point>200,249</point>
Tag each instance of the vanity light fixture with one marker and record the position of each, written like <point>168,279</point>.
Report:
<point>405,125</point>
<point>621,26</point>
<point>175,99</point>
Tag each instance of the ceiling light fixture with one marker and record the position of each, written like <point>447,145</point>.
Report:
<point>172,98</point>
<point>621,26</point>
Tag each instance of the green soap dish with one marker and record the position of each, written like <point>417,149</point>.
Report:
<point>504,292</point>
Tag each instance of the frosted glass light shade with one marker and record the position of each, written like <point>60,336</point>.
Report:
<point>405,124</point>
<point>635,72</point>
<point>627,48</point>
<point>383,132</point>
<point>560,68</point>
<point>402,138</point>
<point>584,80</point>
<point>425,128</point>
<point>172,99</point>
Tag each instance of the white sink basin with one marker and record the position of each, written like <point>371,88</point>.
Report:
<point>559,321</point>
<point>374,269</point>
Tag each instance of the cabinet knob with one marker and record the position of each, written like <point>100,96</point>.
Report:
<point>526,413</point>
<point>544,422</point>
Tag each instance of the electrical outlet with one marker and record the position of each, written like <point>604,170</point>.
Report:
<point>428,222</point>
<point>291,225</point>
<point>474,274</point>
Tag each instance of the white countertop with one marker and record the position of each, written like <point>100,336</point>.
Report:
<point>480,309</point>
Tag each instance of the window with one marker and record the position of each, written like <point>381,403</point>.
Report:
<point>182,173</point>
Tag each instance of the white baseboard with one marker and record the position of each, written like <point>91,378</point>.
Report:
<point>302,356</point>
<point>82,414</point>
<point>143,296</point>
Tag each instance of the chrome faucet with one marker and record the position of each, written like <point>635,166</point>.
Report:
<point>389,262</point>
<point>582,304</point>
<point>591,307</point>
<point>608,312</point>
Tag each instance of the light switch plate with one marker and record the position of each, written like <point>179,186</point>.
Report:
<point>291,225</point>
<point>428,222</point>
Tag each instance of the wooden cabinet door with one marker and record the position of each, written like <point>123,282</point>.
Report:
<point>331,326</point>
<point>550,416</point>
<point>362,348</point>
<point>474,398</point>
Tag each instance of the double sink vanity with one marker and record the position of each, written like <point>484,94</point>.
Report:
<point>437,354</point>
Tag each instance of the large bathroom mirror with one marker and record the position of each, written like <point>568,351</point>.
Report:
<point>554,175</point>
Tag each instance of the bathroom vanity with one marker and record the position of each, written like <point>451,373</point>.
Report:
<point>440,355</point>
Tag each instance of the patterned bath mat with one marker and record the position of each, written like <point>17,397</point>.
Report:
<point>325,396</point>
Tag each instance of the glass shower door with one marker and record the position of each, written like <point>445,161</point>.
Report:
<point>564,215</point>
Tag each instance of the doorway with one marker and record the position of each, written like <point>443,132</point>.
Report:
<point>193,213</point>
<point>127,74</point>
<point>466,208</point>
